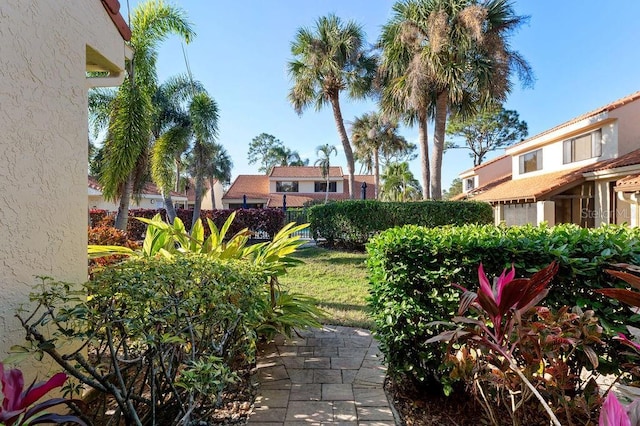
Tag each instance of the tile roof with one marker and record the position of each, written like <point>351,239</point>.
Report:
<point>606,108</point>
<point>148,189</point>
<point>481,189</point>
<point>113,9</point>
<point>256,187</point>
<point>542,186</point>
<point>304,172</point>
<point>628,184</point>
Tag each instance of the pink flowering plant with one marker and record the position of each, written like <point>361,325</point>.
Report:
<point>508,350</point>
<point>19,407</point>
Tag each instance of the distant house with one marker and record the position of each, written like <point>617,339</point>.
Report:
<point>584,171</point>
<point>207,204</point>
<point>295,184</point>
<point>150,198</point>
<point>47,47</point>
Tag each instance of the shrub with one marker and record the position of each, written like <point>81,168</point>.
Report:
<point>411,269</point>
<point>352,223</point>
<point>165,334</point>
<point>108,236</point>
<point>100,217</point>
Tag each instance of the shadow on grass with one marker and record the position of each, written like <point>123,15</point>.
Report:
<point>344,261</point>
<point>344,306</point>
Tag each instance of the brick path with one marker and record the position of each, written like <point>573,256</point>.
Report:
<point>329,376</point>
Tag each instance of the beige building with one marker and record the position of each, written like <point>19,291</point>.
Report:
<point>149,198</point>
<point>46,48</point>
<point>583,171</point>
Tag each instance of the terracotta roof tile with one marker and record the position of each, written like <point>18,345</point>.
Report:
<point>253,186</point>
<point>606,108</point>
<point>148,189</point>
<point>483,188</point>
<point>303,172</point>
<point>113,9</point>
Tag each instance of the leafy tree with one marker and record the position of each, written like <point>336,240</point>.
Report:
<point>454,189</point>
<point>449,55</point>
<point>491,129</point>
<point>260,148</point>
<point>219,168</point>
<point>373,134</point>
<point>283,156</point>
<point>328,60</point>
<point>126,147</point>
<point>399,184</point>
<point>324,162</point>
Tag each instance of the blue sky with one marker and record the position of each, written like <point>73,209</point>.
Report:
<point>584,53</point>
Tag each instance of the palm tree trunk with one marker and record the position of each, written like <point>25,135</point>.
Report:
<point>168,206</point>
<point>438,144</point>
<point>177,185</point>
<point>123,208</point>
<point>213,195</point>
<point>342,132</point>
<point>423,141</point>
<point>376,171</point>
<point>199,178</point>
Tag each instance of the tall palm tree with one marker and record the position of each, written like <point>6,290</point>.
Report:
<point>324,162</point>
<point>171,131</point>
<point>126,147</point>
<point>371,134</point>
<point>328,60</point>
<point>455,54</point>
<point>203,112</point>
<point>399,183</point>
<point>282,156</point>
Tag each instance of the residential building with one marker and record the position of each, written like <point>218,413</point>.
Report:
<point>295,185</point>
<point>149,198</point>
<point>583,171</point>
<point>208,203</point>
<point>47,47</point>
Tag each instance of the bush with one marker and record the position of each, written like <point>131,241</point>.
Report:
<point>265,222</point>
<point>411,269</point>
<point>108,236</point>
<point>352,223</point>
<point>165,335</point>
<point>100,217</point>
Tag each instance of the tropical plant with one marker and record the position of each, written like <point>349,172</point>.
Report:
<point>488,130</point>
<point>126,147</point>
<point>328,60</point>
<point>283,156</point>
<point>448,55</point>
<point>324,162</point>
<point>372,134</point>
<point>19,406</point>
<point>219,168</point>
<point>398,183</point>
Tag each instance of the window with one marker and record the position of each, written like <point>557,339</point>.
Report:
<point>582,147</point>
<point>469,184</point>
<point>322,187</point>
<point>285,186</point>
<point>531,161</point>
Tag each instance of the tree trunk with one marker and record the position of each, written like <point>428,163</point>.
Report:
<point>198,189</point>
<point>376,172</point>
<point>177,185</point>
<point>438,144</point>
<point>213,194</point>
<point>326,189</point>
<point>122,217</point>
<point>423,141</point>
<point>168,206</point>
<point>348,152</point>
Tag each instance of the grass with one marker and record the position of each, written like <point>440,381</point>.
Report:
<point>338,280</point>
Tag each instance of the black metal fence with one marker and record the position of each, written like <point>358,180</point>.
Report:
<point>300,216</point>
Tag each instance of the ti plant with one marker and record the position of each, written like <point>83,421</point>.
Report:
<point>19,406</point>
<point>500,332</point>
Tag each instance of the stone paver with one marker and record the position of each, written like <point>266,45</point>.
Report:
<point>329,376</point>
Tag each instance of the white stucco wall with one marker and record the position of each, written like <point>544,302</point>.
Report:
<point>629,127</point>
<point>43,149</point>
<point>520,214</point>
<point>305,186</point>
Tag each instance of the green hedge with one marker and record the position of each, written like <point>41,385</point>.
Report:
<point>411,269</point>
<point>352,223</point>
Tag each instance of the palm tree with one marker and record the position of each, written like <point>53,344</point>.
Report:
<point>442,55</point>
<point>329,60</point>
<point>219,168</point>
<point>324,162</point>
<point>203,112</point>
<point>371,134</point>
<point>399,183</point>
<point>129,133</point>
<point>172,132</point>
<point>283,156</point>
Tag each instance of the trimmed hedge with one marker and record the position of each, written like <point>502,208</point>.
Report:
<point>260,221</point>
<point>352,223</point>
<point>411,269</point>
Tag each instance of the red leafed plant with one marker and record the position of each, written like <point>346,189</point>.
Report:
<point>19,407</point>
<point>504,342</point>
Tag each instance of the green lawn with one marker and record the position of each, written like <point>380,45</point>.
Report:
<point>338,280</point>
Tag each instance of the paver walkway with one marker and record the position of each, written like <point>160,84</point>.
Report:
<point>329,376</point>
